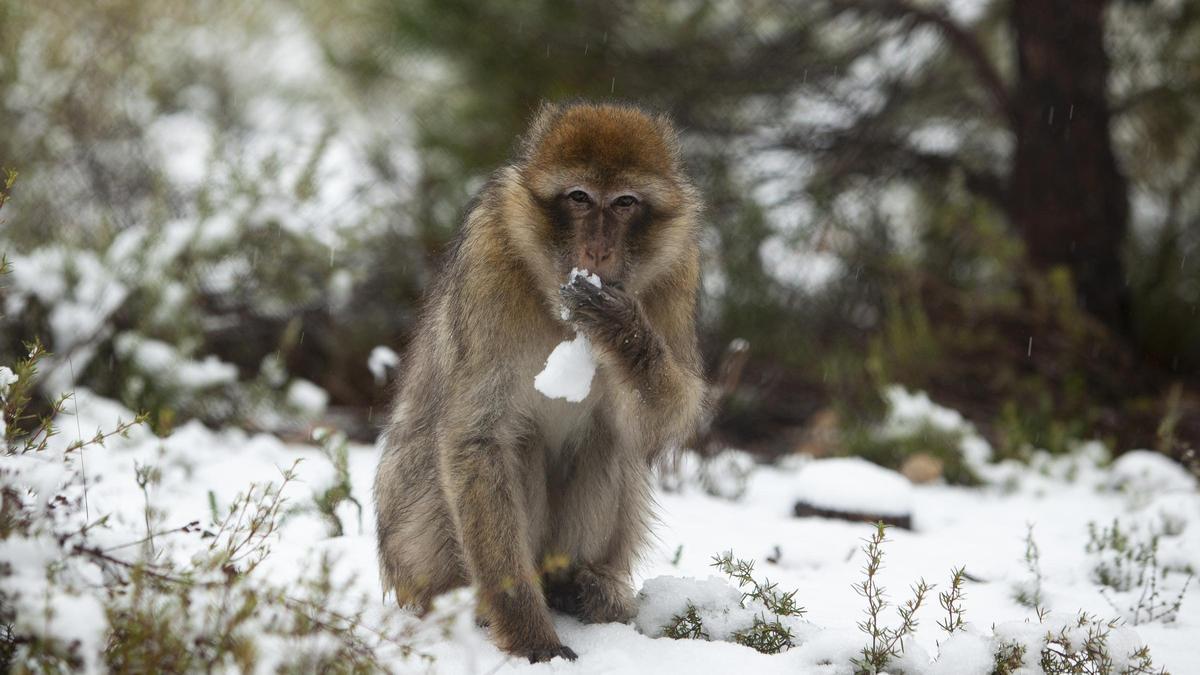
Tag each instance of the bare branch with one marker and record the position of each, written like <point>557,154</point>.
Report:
<point>960,39</point>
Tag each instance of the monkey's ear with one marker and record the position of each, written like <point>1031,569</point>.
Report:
<point>666,129</point>
<point>543,120</point>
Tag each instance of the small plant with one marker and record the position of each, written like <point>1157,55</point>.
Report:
<point>1126,561</point>
<point>335,447</point>
<point>1029,593</point>
<point>768,636</point>
<point>141,610</point>
<point>686,626</point>
<point>886,642</point>
<point>892,450</point>
<point>6,183</point>
<point>951,601</point>
<point>1008,658</point>
<point>1064,654</point>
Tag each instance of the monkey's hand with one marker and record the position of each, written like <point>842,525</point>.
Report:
<point>613,320</point>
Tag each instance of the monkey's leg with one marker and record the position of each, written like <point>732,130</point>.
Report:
<point>599,590</point>
<point>494,533</point>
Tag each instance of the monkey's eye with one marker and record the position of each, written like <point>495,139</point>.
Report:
<point>625,201</point>
<point>579,196</point>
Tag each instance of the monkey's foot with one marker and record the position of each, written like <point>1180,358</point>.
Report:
<point>593,598</point>
<point>539,654</point>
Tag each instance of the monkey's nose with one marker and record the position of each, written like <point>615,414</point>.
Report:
<point>594,259</point>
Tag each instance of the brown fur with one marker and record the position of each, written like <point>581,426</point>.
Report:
<point>483,480</point>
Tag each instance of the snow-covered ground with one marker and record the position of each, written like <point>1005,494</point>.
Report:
<point>983,529</point>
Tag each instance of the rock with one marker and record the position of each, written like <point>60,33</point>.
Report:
<point>922,467</point>
<point>850,488</point>
<point>820,438</point>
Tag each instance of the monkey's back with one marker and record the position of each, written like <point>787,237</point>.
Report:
<point>420,555</point>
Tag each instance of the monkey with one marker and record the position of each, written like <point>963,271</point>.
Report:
<point>540,503</point>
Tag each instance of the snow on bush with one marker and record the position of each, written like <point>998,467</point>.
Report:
<point>963,653</point>
<point>1144,473</point>
<point>156,560</point>
<point>663,600</point>
<point>307,398</point>
<point>240,202</point>
<point>168,367</point>
<point>726,474</point>
<point>909,412</point>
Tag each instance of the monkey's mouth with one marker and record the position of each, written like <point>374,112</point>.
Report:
<point>607,275</point>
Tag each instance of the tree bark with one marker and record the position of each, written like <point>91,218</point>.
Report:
<point>1069,198</point>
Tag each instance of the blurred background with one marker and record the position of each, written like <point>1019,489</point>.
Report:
<point>228,211</point>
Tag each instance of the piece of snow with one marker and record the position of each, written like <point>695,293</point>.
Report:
<point>381,360</point>
<point>164,362</point>
<point>570,367</point>
<point>717,603</point>
<point>7,379</point>
<point>854,485</point>
<point>809,270</point>
<point>210,372</point>
<point>590,277</point>
<point>569,371</point>
<point>307,397</point>
<point>909,411</point>
<point>963,653</point>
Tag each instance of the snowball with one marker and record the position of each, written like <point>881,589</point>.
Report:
<point>569,371</point>
<point>571,366</point>
<point>1147,472</point>
<point>718,604</point>
<point>380,361</point>
<point>853,485</point>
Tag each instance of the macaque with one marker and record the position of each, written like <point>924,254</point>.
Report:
<point>541,503</point>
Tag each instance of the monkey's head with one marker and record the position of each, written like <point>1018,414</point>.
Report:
<point>610,193</point>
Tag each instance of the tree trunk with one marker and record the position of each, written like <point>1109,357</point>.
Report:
<point>1068,197</point>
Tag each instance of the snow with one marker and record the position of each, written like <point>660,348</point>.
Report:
<point>572,364</point>
<point>717,602</point>
<point>807,270</point>
<point>853,485</point>
<point>1144,472</point>
<point>569,371</point>
<point>381,360</point>
<point>163,362</point>
<point>964,653</point>
<point>7,379</point>
<point>307,397</point>
<point>909,412</point>
<point>980,528</point>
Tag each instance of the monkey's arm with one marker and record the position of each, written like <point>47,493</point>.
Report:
<point>661,363</point>
<point>480,466</point>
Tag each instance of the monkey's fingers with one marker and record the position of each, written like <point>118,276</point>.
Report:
<point>539,655</point>
<point>582,298</point>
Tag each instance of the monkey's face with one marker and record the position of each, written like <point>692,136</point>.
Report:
<point>594,225</point>
<point>608,183</point>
